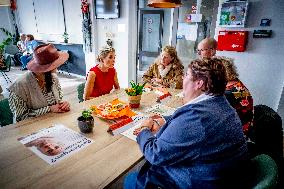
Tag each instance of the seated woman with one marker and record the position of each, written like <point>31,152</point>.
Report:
<point>201,145</point>
<point>102,78</point>
<point>31,44</point>
<point>38,91</point>
<point>22,48</point>
<point>238,95</point>
<point>166,71</point>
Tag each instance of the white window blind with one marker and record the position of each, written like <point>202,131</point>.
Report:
<point>49,19</point>
<point>45,19</point>
<point>26,16</point>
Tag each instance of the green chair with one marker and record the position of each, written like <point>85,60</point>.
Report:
<point>7,68</point>
<point>6,116</point>
<point>265,172</point>
<point>80,91</point>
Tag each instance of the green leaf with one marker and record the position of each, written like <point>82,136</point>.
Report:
<point>87,113</point>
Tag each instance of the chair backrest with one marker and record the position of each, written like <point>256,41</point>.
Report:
<point>267,132</point>
<point>11,49</point>
<point>7,61</point>
<point>80,91</point>
<point>266,172</point>
<point>6,116</point>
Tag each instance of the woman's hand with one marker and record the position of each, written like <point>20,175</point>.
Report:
<point>158,123</point>
<point>146,124</point>
<point>65,106</point>
<point>56,108</point>
<point>60,107</point>
<point>154,123</point>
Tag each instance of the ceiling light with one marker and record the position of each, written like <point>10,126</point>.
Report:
<point>164,3</point>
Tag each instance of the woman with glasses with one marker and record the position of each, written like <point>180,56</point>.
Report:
<point>166,71</point>
<point>236,92</point>
<point>201,145</point>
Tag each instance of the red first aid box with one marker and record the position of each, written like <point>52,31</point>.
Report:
<point>232,41</point>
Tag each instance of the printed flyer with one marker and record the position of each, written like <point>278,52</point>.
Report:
<point>157,109</point>
<point>161,109</point>
<point>55,143</point>
<point>137,120</point>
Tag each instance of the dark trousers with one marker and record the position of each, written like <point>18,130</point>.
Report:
<point>17,59</point>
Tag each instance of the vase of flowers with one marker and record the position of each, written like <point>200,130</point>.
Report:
<point>134,94</point>
<point>86,121</point>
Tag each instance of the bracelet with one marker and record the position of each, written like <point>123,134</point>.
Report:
<point>157,122</point>
<point>143,127</point>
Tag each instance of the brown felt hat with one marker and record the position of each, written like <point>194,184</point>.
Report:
<point>46,58</point>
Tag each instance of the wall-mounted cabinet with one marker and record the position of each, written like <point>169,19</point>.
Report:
<point>233,14</point>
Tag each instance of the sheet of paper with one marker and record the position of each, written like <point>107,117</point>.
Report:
<point>189,31</point>
<point>55,143</point>
<point>137,120</point>
<point>161,109</point>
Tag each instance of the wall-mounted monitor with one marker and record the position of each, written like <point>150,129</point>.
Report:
<point>107,9</point>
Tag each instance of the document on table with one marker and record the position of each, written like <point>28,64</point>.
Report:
<point>137,120</point>
<point>55,143</point>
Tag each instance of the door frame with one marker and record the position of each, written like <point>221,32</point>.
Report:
<point>140,52</point>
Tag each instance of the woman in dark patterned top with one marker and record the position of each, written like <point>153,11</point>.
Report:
<point>238,95</point>
<point>166,71</point>
<point>38,91</point>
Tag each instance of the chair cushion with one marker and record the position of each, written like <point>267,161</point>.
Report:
<point>6,116</point>
<point>80,90</point>
<point>266,172</point>
<point>11,49</point>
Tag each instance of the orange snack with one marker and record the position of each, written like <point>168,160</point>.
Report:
<point>113,110</point>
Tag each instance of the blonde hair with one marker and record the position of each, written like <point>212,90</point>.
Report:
<point>104,51</point>
<point>231,69</point>
<point>173,53</point>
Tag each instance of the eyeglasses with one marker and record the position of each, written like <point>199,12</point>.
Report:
<point>201,50</point>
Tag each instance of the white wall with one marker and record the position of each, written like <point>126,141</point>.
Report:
<point>26,17</point>
<point>124,42</point>
<point>261,66</point>
<point>5,22</point>
<point>73,19</point>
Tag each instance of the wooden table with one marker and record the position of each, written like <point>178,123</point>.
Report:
<point>95,166</point>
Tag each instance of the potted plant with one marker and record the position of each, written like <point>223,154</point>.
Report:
<point>86,121</point>
<point>10,39</point>
<point>134,94</point>
<point>65,37</point>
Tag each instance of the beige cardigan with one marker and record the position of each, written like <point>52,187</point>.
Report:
<point>173,76</point>
<point>27,88</point>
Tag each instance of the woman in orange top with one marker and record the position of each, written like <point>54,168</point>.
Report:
<point>102,78</point>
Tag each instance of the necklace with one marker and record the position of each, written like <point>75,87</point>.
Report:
<point>41,82</point>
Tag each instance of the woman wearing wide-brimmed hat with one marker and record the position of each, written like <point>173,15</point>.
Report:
<point>38,91</point>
